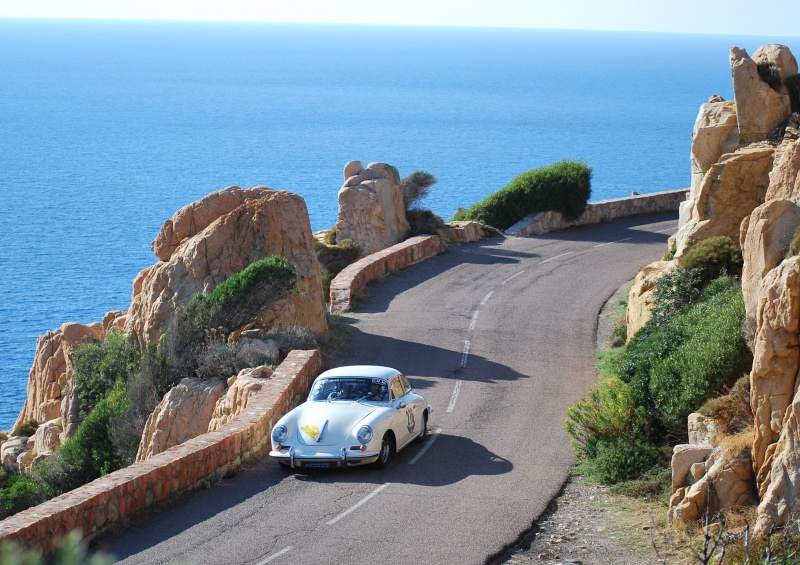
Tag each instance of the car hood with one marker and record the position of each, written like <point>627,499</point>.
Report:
<point>329,423</point>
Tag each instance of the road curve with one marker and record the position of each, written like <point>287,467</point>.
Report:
<point>500,338</point>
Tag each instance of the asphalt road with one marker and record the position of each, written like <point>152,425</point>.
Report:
<point>500,338</point>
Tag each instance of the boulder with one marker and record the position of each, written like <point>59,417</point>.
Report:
<point>371,208</point>
<point>730,190</point>
<point>702,430</point>
<point>715,133</point>
<point>683,458</point>
<point>781,56</point>
<point>10,451</point>
<point>183,413</point>
<point>727,484</point>
<point>266,223</point>
<point>114,320</point>
<point>776,358</point>
<point>240,389</point>
<point>764,239</point>
<point>640,297</point>
<point>197,216</point>
<point>50,377</point>
<point>48,437</point>
<point>462,231</point>
<point>784,180</point>
<point>248,347</point>
<point>759,108</point>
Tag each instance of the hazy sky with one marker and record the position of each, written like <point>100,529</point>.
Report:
<point>767,17</point>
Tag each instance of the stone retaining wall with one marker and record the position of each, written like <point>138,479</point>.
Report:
<point>356,276</point>
<point>189,465</point>
<point>603,211</point>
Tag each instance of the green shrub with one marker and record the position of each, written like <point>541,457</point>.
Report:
<point>674,292</point>
<point>652,485</point>
<point>218,359</point>
<point>674,368</point>
<point>69,550</point>
<point>621,458</point>
<point>713,256</point>
<point>564,186</point>
<point>98,366</point>
<point>770,73</point>
<point>606,412</point>
<point>25,429</point>
<point>423,222</point>
<point>294,337</point>
<point>794,246</point>
<point>416,187</point>
<point>792,84</point>
<point>333,258</point>
<point>3,438</point>
<point>21,491</point>
<point>670,254</point>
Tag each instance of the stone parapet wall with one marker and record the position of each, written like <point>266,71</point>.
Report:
<point>603,211</point>
<point>211,456</point>
<point>355,277</point>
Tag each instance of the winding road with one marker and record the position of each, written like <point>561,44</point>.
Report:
<point>500,337</point>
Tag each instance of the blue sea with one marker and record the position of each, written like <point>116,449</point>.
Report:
<point>108,127</point>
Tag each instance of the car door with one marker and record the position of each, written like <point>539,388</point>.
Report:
<point>416,404</point>
<point>402,414</point>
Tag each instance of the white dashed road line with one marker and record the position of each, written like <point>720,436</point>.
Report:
<point>486,298</point>
<point>511,277</point>
<point>358,504</point>
<point>474,320</point>
<point>465,355</point>
<point>610,242</point>
<point>426,447</point>
<point>557,257</point>
<point>274,556</point>
<point>454,396</point>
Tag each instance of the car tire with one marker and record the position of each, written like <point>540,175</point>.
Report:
<point>387,449</point>
<point>421,437</point>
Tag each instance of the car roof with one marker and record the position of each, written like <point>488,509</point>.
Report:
<point>370,371</point>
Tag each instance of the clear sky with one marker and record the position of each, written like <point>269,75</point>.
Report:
<point>765,17</point>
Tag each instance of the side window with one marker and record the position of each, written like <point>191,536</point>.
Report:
<point>397,387</point>
<point>406,384</point>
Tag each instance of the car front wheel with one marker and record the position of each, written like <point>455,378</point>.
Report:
<point>421,437</point>
<point>387,447</point>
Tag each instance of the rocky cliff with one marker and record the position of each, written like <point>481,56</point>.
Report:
<point>745,162</point>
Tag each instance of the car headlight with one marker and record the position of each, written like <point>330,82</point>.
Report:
<point>364,434</point>
<point>279,434</point>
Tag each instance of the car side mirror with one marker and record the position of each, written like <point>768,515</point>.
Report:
<point>400,405</point>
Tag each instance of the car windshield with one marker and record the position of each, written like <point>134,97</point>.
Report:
<point>350,388</point>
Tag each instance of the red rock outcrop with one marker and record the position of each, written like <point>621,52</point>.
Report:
<point>214,238</point>
<point>50,377</point>
<point>759,108</point>
<point>240,389</point>
<point>371,208</point>
<point>184,413</point>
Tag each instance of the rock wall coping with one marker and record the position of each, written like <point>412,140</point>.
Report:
<point>211,456</point>
<point>353,278</point>
<point>603,211</point>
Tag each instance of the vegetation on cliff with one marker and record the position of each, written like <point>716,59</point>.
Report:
<point>688,351</point>
<point>564,187</point>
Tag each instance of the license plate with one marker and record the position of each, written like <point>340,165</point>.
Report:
<point>317,465</point>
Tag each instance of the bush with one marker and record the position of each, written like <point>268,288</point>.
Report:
<point>294,337</point>
<point>607,412</point>
<point>564,186</point>
<point>674,368</point>
<point>20,491</point>
<point>416,187</point>
<point>670,254</point>
<point>712,257</point>
<point>674,292</point>
<point>25,429</point>
<point>794,246</point>
<point>98,366</point>
<point>69,550</point>
<point>218,359</point>
<point>621,458</point>
<point>792,84</point>
<point>423,222</point>
<point>770,73</point>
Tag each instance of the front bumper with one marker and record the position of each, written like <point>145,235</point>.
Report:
<point>342,458</point>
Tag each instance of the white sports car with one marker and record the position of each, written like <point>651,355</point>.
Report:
<point>353,416</point>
